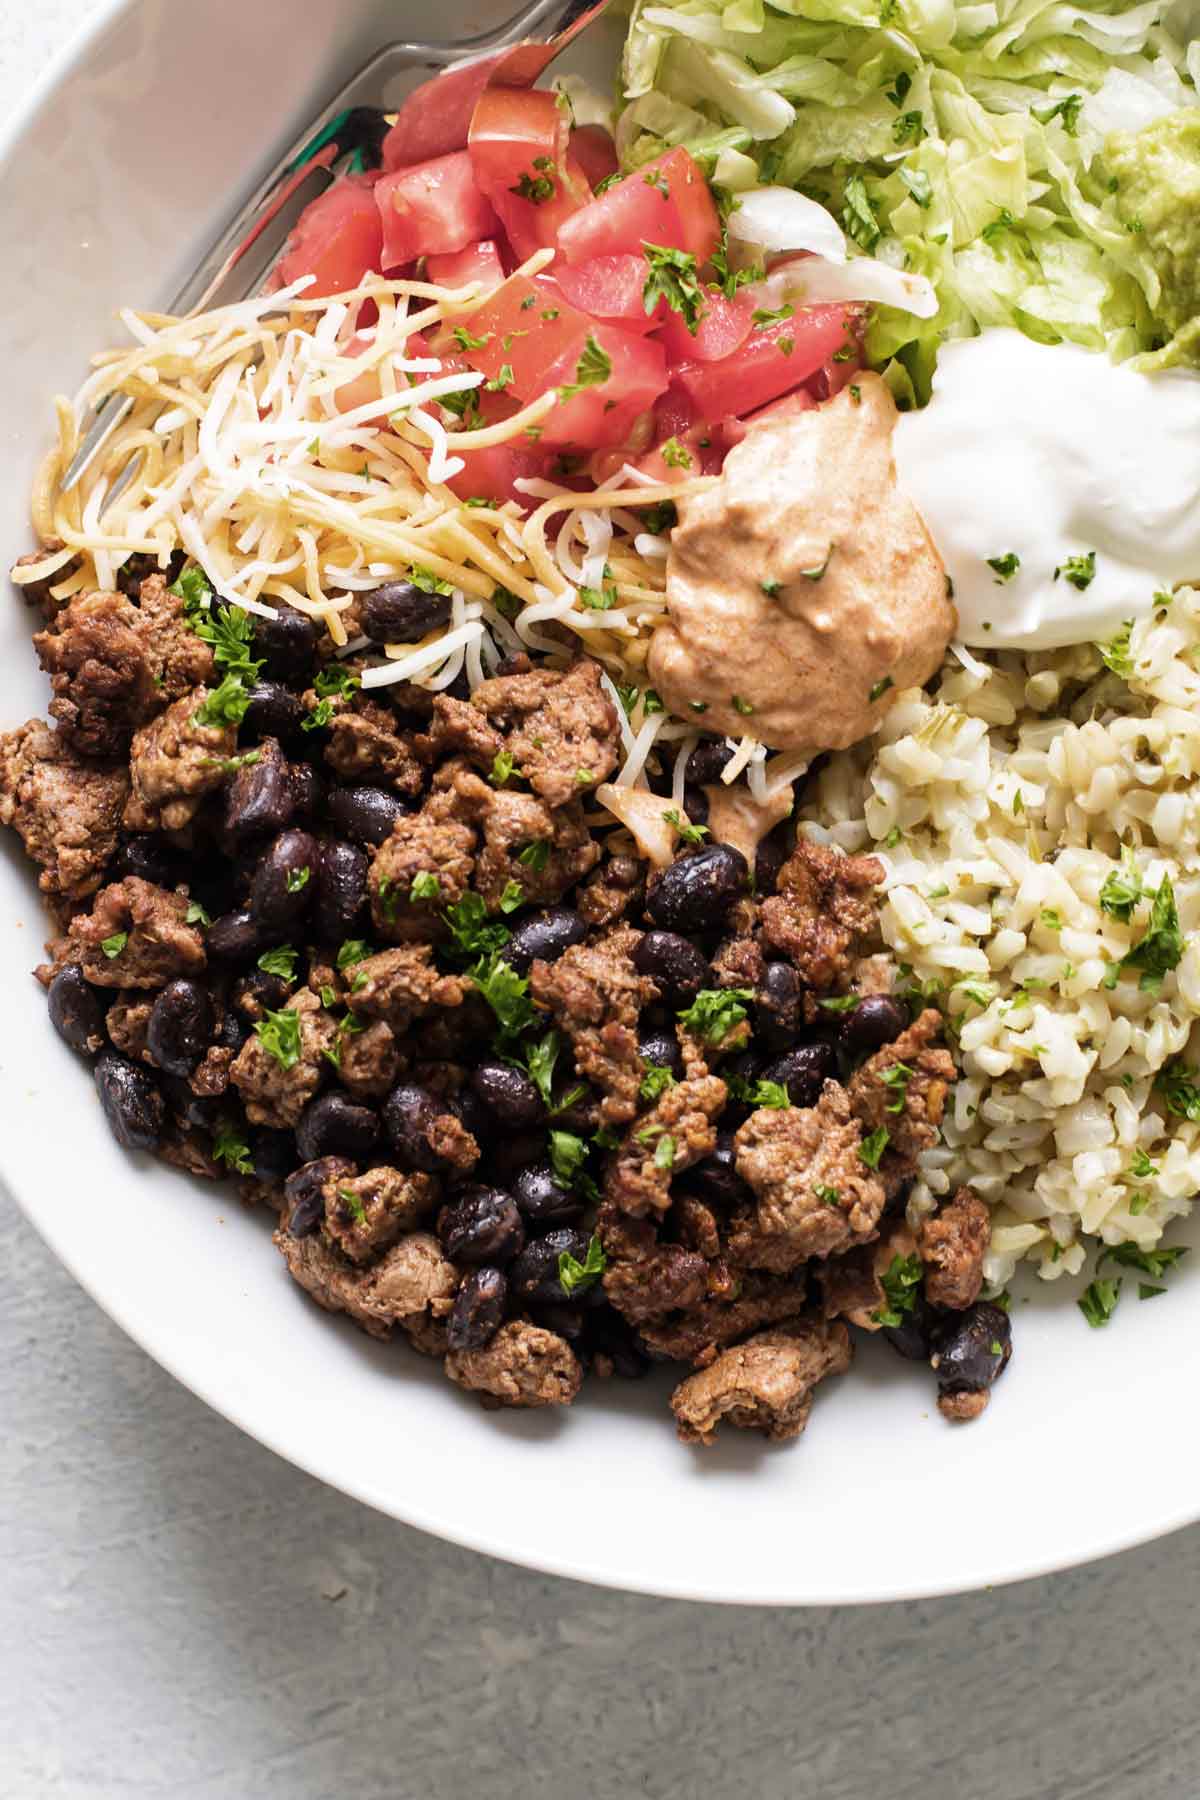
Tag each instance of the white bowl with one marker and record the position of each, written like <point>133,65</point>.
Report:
<point>145,136</point>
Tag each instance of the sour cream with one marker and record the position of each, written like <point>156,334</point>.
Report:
<point>1036,457</point>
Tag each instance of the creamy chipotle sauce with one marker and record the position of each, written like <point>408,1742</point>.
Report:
<point>803,590</point>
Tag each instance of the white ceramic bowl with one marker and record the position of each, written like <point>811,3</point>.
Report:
<point>147,133</point>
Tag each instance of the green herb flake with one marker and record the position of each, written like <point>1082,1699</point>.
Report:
<point>741,706</point>
<point>1147,1291</point>
<point>900,1285</point>
<point>568,1156</point>
<point>224,705</point>
<point>298,880</point>
<point>466,340</point>
<point>281,962</point>
<point>858,215</point>
<point>512,897</point>
<point>772,1096</point>
<point>1098,1302</point>
<point>535,856</point>
<point>113,946</point>
<point>535,188</point>
<point>909,128</point>
<point>655,178</point>
<point>675,456</point>
<point>1080,571</point>
<point>353,1205</point>
<point>873,1147</point>
<point>230,1148</point>
<point>1123,888</point>
<point>504,767</point>
<point>576,1277</point>
<point>506,992</point>
<point>1067,110</point>
<point>425,886</point>
<point>1115,654</point>
<point>816,570</point>
<point>1161,949</point>
<point>763,315</point>
<point>880,689</point>
<point>1154,1263</point>
<point>664,1155</point>
<point>1141,1165</point>
<point>656,1081</point>
<point>715,1013</point>
<point>279,1035</point>
<point>691,834</point>
<point>897,1079</point>
<point>196,914</point>
<point>1004,567</point>
<point>592,370</point>
<point>673,278</point>
<point>828,1196</point>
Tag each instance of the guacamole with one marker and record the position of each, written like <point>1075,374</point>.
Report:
<point>1157,176</point>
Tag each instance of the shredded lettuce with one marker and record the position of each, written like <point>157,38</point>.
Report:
<point>961,144</point>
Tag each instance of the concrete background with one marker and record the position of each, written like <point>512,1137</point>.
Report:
<point>183,1617</point>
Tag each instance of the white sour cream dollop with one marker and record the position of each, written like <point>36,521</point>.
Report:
<point>1048,452</point>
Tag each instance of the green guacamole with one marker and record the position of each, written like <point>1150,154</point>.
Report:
<point>1157,172</point>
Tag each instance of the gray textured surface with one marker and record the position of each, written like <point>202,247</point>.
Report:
<point>185,1616</point>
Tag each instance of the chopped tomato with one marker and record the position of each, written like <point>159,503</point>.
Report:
<point>518,141</point>
<point>773,360</point>
<point>338,238</point>
<point>524,329</point>
<point>432,210</point>
<point>667,202</point>
<point>492,474</point>
<point>594,151</point>
<point>478,262</point>
<point>723,327</point>
<point>609,287</point>
<point>535,224</point>
<point>606,412</point>
<point>436,117</point>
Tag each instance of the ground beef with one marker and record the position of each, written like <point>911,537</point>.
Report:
<point>765,1384</point>
<point>210,1078</point>
<point>126,1023</point>
<point>952,1245</point>
<point>640,1177</point>
<point>365,744</point>
<point>400,985</point>
<point>696,1335</point>
<point>371,1061</point>
<point>179,660</point>
<point>852,1285</point>
<point>190,1150</point>
<point>276,1096</point>
<point>815,1194</point>
<point>961,1405</point>
<point>66,812</point>
<point>100,673</point>
<point>695,1225</point>
<point>526,846</point>
<point>921,1076</point>
<point>739,963</point>
<point>823,912</point>
<point>562,728</point>
<point>159,943</point>
<point>616,888</point>
<point>366,1214</point>
<point>174,762</point>
<point>596,994</point>
<point>431,842</point>
<point>410,1282</point>
<point>523,1365</point>
<point>459,729</point>
<point>667,1279</point>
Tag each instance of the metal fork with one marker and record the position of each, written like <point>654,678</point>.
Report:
<point>347,129</point>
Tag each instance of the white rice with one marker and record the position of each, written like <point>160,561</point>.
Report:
<point>999,806</point>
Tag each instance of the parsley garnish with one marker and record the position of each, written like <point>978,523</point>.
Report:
<point>601,599</point>
<point>673,278</point>
<point>1080,571</point>
<point>193,587</point>
<point>501,380</point>
<point>741,706</point>
<point>675,456</point>
<point>227,630</point>
<point>873,1147</point>
<point>298,879</point>
<point>475,935</point>
<point>897,1078</point>
<point>816,570</point>
<point>1162,947</point>
<point>353,1205</point>
<point>574,1276</point>
<point>1114,653</point>
<point>231,1148</point>
<point>664,1155</point>
<point>655,1082</point>
<point>1004,567</point>
<point>1067,110</point>
<point>1151,1262</point>
<point>909,128</point>
<point>279,1034</point>
<point>196,914</point>
<point>425,886</point>
<point>113,946</point>
<point>512,896</point>
<point>715,1013</point>
<point>540,1059</point>
<point>663,516</point>
<point>770,1094</point>
<point>900,90</point>
<point>535,856</point>
<point>656,179</point>
<point>354,950</point>
<point>592,370</point>
<point>899,1285</point>
<point>466,340</point>
<point>428,582</point>
<point>1123,888</point>
<point>840,1003</point>
<point>691,834</point>
<point>1002,222</point>
<point>281,962</point>
<point>568,1155</point>
<point>337,680</point>
<point>763,315</point>
<point>225,705</point>
<point>535,188</point>
<point>1098,1302</point>
<point>503,768</point>
<point>829,1196</point>
<point>880,689</point>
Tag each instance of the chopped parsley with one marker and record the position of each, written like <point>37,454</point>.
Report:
<point>113,946</point>
<point>196,914</point>
<point>770,1094</point>
<point>506,992</point>
<point>504,767</point>
<point>664,1154</point>
<point>1154,1263</point>
<point>840,1003</point>
<point>512,896</point>
<point>1004,567</point>
<point>568,1156</point>
<point>996,227</point>
<point>661,517</point>
<point>815,572</point>
<point>656,179</point>
<point>872,1148</point>
<point>298,879</point>
<point>1123,888</point>
<point>319,717</point>
<point>504,378</point>
<point>1080,571</point>
<point>673,278</point>
<point>592,370</point>
<point>535,856</point>
<point>1162,947</point>
<point>828,1196</point>
<point>281,962</point>
<point>536,188</point>
<point>1141,1165</point>
<point>880,689</point>
<point>279,1035</point>
<point>1098,1302</point>
<point>227,630</point>
<point>229,765</point>
<point>576,1277</point>
<point>601,599</point>
<point>466,340</point>
<point>428,582</point>
<point>192,587</point>
<point>336,681</point>
<point>909,128</point>
<point>354,950</point>
<point>1067,110</point>
<point>655,1082</point>
<point>741,706</point>
<point>898,93</point>
<point>899,1285</point>
<point>229,1147</point>
<point>354,1207</point>
<point>897,1078</point>
<point>715,1013</point>
<point>691,834</point>
<point>1114,652</point>
<point>425,886</point>
<point>858,215</point>
<point>675,456</point>
<point>763,315</point>
<point>540,1059</point>
<point>475,935</point>
<point>225,705</point>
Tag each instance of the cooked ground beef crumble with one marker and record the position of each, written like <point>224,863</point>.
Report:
<point>517,1098</point>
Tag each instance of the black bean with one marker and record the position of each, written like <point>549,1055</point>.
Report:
<point>772,854</point>
<point>201,1110</point>
<point>482,1226</point>
<point>283,881</point>
<point>181,1026</point>
<point>608,1335</point>
<point>366,814</point>
<point>75,1011</point>
<point>141,565</point>
<point>698,889</point>
<point>307,790</point>
<point>478,1310</point>
<point>679,969</point>
<point>913,1337</point>
<point>707,761</point>
<point>400,613</point>
<point>544,937</point>
<point>236,937</point>
<point>259,993</point>
<point>274,711</point>
<point>542,1198</point>
<point>232,1032</point>
<point>715,1178</point>
<point>340,890</point>
<point>661,1048</point>
<point>261,799</point>
<point>408,1113</point>
<point>132,1102</point>
<point>803,1072</point>
<point>334,1123</point>
<point>565,1320</point>
<point>273,1154</point>
<point>510,1151</point>
<point>779,1007</point>
<point>875,1021</point>
<point>508,1094</point>
<point>975,1349</point>
<point>303,1193</point>
<point>469,1108</point>
<point>695,805</point>
<point>533,1278</point>
<point>287,644</point>
<point>146,857</point>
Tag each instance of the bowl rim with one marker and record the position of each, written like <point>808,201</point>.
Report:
<point>244,1413</point>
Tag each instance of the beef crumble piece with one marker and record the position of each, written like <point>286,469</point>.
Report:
<point>371,1060</point>
<point>765,1384</point>
<point>595,994</point>
<point>127,1022</point>
<point>616,888</point>
<point>411,1283</point>
<point>902,1090</point>
<point>541,852</point>
<point>179,660</point>
<point>852,1285</point>
<point>952,1245</point>
<point>365,743</point>
<point>562,728</point>
<point>753,1301</point>
<point>676,1133</point>
<point>815,1193</point>
<point>400,985</point>
<point>523,1365</point>
<point>458,728</point>
<point>174,762</point>
<point>432,843</point>
<point>149,941</point>
<point>271,1094</point>
<point>67,813</point>
<point>646,1279</point>
<point>366,1214</point>
<point>823,912</point>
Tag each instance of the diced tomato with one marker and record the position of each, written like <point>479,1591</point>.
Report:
<point>723,327</point>
<point>432,210</point>
<point>492,474</point>
<point>610,287</point>
<point>667,202</point>
<point>606,413</point>
<point>436,117</point>
<point>518,139</point>
<point>773,360</point>
<point>535,224</point>
<point>338,238</point>
<point>528,328</point>
<point>593,149</point>
<point>478,262</point>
